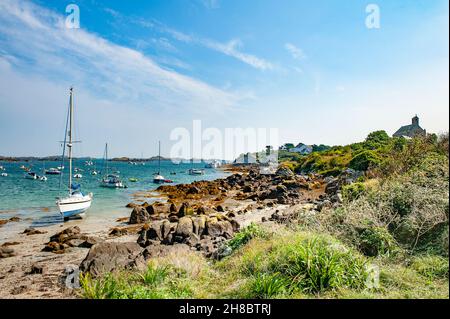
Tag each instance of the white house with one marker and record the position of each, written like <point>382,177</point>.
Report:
<point>302,149</point>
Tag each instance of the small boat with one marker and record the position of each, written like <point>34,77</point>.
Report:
<point>2,168</point>
<point>42,178</point>
<point>53,171</point>
<point>76,203</point>
<point>213,164</point>
<point>133,179</point>
<point>110,180</point>
<point>78,170</point>
<point>173,173</point>
<point>31,175</point>
<point>168,181</point>
<point>4,174</point>
<point>94,173</point>
<point>78,176</point>
<point>22,167</point>
<point>158,178</point>
<point>60,168</point>
<point>196,171</point>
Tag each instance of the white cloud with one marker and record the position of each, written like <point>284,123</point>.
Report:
<point>230,48</point>
<point>39,37</point>
<point>296,52</point>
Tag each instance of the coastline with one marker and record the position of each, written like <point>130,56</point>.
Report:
<point>17,279</point>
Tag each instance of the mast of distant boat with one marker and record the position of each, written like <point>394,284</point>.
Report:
<point>159,158</point>
<point>69,145</point>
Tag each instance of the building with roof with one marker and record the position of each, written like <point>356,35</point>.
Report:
<point>412,130</point>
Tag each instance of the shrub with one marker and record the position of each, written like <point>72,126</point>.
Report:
<point>431,267</point>
<point>319,263</point>
<point>154,275</point>
<point>264,286</point>
<point>376,140</point>
<point>365,160</point>
<point>375,241</point>
<point>353,191</point>
<point>245,235</point>
<point>107,287</point>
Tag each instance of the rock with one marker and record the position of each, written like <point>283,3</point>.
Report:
<point>150,210</point>
<point>66,234</point>
<point>54,247</point>
<point>216,228</point>
<point>3,222</point>
<point>263,219</point>
<point>222,252</point>
<point>107,257</point>
<point>193,190</point>
<point>76,242</point>
<point>15,219</point>
<point>139,215</point>
<point>33,231</point>
<point>10,243</point>
<point>6,252</point>
<point>90,241</point>
<point>324,204</point>
<point>173,208</point>
<point>199,224</point>
<point>117,232</point>
<point>184,210</point>
<point>173,218</point>
<point>185,227</point>
<point>131,205</point>
<point>37,269</point>
<point>219,208</point>
<point>284,172</point>
<point>201,210</point>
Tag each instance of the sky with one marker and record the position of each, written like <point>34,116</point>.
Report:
<point>313,70</point>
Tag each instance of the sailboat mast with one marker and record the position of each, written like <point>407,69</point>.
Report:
<point>159,157</point>
<point>106,158</point>
<point>69,145</point>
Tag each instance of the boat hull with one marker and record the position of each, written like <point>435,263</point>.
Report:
<point>74,206</point>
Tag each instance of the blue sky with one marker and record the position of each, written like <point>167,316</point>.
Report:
<point>141,68</point>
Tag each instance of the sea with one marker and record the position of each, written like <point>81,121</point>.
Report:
<point>33,201</point>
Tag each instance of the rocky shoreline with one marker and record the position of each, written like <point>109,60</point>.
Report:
<point>199,217</point>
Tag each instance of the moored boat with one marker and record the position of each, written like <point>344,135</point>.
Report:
<point>76,203</point>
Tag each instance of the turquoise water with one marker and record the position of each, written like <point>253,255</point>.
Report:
<point>34,200</point>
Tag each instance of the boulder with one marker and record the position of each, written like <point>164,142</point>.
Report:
<point>107,257</point>
<point>199,224</point>
<point>184,210</point>
<point>37,269</point>
<point>69,233</point>
<point>284,172</point>
<point>185,227</point>
<point>33,231</point>
<point>216,228</point>
<point>193,190</point>
<point>6,252</point>
<point>139,215</point>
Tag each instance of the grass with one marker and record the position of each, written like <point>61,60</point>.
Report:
<point>389,239</point>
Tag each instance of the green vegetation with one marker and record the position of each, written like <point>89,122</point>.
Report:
<point>388,239</point>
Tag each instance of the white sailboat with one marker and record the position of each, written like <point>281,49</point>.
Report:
<point>76,203</point>
<point>158,178</point>
<point>110,180</point>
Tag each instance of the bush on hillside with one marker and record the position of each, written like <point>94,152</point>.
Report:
<point>376,241</point>
<point>365,160</point>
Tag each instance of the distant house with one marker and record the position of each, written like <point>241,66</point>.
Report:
<point>286,147</point>
<point>411,130</point>
<point>302,149</point>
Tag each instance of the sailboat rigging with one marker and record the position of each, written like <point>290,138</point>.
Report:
<point>76,203</point>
